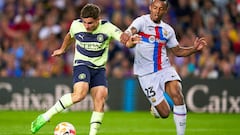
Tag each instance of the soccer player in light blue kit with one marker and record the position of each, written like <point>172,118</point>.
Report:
<point>92,36</point>
<point>152,65</point>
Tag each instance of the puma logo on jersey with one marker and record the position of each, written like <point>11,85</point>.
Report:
<point>81,36</point>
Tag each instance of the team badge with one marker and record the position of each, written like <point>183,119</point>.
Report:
<point>151,39</point>
<point>81,76</point>
<point>100,38</point>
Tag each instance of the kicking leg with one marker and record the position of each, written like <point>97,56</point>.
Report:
<point>80,92</point>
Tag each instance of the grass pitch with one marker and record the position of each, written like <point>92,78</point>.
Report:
<point>122,123</point>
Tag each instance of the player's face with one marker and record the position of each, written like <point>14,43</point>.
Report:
<point>157,10</point>
<point>90,23</point>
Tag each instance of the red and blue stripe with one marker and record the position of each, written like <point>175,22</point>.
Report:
<point>157,59</point>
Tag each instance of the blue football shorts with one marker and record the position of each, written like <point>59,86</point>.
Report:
<point>94,77</point>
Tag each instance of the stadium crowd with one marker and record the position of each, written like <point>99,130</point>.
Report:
<point>31,29</point>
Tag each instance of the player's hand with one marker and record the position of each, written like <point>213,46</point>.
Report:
<point>135,39</point>
<point>124,37</point>
<point>58,52</point>
<point>200,43</point>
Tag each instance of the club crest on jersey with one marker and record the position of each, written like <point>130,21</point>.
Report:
<point>100,38</point>
<point>81,76</point>
<point>151,39</point>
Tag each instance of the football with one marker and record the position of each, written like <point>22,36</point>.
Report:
<point>64,128</point>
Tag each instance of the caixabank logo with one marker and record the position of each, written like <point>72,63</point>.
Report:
<point>26,98</point>
<point>200,98</point>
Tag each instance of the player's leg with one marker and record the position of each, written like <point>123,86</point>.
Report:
<point>174,89</point>
<point>80,89</point>
<point>161,110</point>
<point>154,111</point>
<point>99,93</point>
<point>151,86</point>
<point>169,100</point>
<point>80,92</point>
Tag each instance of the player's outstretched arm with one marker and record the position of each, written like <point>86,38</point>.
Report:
<point>198,45</point>
<point>66,43</point>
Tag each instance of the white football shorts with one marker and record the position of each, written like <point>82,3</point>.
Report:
<point>153,85</point>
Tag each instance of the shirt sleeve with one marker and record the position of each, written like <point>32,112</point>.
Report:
<point>172,40</point>
<point>137,24</point>
<point>115,32</point>
<point>72,28</point>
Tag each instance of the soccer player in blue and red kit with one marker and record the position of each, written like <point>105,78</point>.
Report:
<point>152,65</point>
<point>91,36</point>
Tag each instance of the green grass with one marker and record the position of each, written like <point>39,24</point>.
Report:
<point>122,123</point>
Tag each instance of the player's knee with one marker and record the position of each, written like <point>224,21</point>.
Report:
<point>78,97</point>
<point>174,89</point>
<point>164,114</point>
<point>177,97</point>
<point>100,97</point>
<point>164,111</point>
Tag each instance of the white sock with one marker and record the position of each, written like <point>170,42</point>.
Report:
<point>64,102</point>
<point>95,122</point>
<point>180,116</point>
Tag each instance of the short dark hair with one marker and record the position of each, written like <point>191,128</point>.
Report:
<point>165,1</point>
<point>90,10</point>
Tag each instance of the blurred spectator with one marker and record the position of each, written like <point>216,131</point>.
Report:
<point>50,27</point>
<point>184,13</point>
<point>22,21</point>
